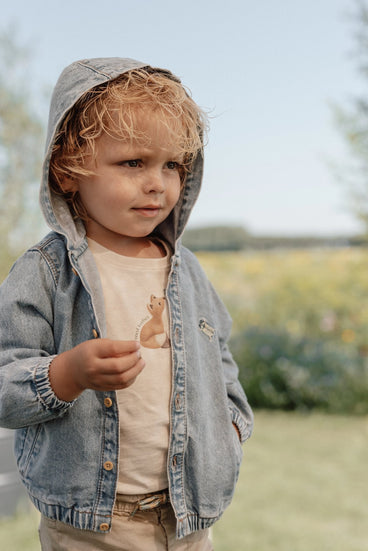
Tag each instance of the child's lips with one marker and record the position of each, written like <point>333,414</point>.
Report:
<point>149,211</point>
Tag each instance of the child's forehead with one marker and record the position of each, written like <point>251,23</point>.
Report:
<point>151,138</point>
<point>144,119</point>
<point>151,122</point>
<point>146,127</point>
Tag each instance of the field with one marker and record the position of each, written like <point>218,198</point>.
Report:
<point>300,333</point>
<point>322,293</point>
<point>302,488</point>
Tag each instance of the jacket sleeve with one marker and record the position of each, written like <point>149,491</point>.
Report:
<point>241,412</point>
<point>27,344</point>
<point>242,415</point>
<point>207,299</point>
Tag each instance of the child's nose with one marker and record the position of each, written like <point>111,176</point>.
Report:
<point>154,182</point>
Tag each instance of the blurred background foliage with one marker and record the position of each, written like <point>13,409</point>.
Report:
<point>21,146</point>
<point>300,304</point>
<point>300,334</point>
<point>352,123</point>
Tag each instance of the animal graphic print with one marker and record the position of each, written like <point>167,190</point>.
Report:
<point>153,333</point>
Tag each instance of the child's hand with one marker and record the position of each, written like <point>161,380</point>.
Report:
<point>237,431</point>
<point>101,364</point>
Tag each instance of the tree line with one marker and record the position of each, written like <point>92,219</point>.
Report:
<point>236,238</point>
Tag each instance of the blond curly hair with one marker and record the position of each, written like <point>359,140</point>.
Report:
<point>112,107</point>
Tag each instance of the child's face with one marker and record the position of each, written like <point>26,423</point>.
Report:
<point>134,187</point>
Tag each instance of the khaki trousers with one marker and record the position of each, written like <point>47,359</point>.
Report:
<point>151,530</point>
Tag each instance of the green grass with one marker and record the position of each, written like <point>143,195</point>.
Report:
<point>302,487</point>
<point>20,533</point>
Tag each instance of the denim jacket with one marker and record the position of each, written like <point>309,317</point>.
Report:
<point>67,452</point>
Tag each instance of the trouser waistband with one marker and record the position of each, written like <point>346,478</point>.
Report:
<point>145,502</point>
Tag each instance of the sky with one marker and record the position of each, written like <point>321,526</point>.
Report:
<point>268,74</point>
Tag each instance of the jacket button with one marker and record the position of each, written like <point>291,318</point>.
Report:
<point>94,333</point>
<point>104,526</point>
<point>108,466</point>
<point>108,402</point>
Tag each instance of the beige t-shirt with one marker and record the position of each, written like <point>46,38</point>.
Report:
<point>136,309</point>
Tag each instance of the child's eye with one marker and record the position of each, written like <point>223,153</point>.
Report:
<point>132,163</point>
<point>172,165</point>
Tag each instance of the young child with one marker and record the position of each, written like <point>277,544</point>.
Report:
<point>114,367</point>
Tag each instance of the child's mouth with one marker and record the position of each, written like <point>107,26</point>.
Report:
<point>149,212</point>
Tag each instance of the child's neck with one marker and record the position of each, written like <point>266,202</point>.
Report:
<point>136,247</point>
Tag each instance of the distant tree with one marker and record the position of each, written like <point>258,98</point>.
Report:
<point>216,238</point>
<point>21,137</point>
<point>353,123</point>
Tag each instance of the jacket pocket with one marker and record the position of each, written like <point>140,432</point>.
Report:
<point>25,445</point>
<point>238,445</point>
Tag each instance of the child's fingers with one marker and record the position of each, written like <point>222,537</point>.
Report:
<point>125,378</point>
<point>105,364</point>
<point>107,348</point>
<point>117,365</point>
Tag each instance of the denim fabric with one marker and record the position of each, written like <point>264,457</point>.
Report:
<point>61,447</point>
<point>67,452</point>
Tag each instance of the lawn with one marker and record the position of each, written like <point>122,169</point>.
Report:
<point>302,487</point>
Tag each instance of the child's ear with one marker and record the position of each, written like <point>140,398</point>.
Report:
<point>69,184</point>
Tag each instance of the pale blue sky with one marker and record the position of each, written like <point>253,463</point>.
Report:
<point>266,70</point>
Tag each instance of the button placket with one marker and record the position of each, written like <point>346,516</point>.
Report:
<point>177,402</point>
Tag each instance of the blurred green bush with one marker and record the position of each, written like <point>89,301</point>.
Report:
<point>283,372</point>
<point>300,333</point>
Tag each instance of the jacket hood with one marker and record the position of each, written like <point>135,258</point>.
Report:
<point>74,81</point>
